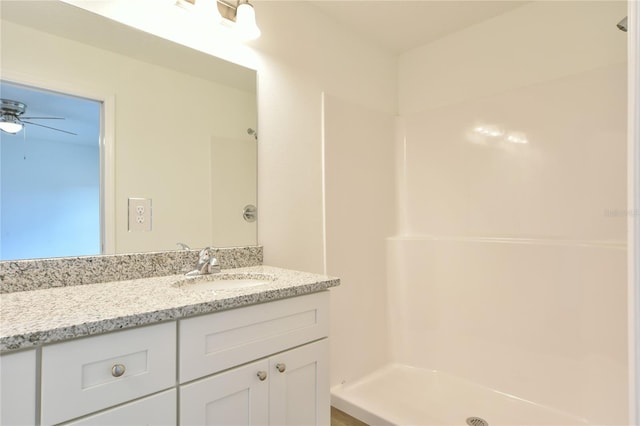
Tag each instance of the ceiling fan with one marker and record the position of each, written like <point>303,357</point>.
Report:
<point>12,119</point>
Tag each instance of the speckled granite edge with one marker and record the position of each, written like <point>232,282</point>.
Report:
<point>32,274</point>
<point>52,315</point>
<point>24,341</point>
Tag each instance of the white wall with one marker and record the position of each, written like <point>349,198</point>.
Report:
<point>531,44</point>
<point>304,54</point>
<point>510,267</point>
<point>360,214</point>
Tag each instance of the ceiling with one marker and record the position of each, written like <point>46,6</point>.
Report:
<point>401,25</point>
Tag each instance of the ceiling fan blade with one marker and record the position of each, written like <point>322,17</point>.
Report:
<point>52,128</point>
<point>42,118</point>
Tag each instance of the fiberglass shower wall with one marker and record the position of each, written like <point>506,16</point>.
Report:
<point>509,266</point>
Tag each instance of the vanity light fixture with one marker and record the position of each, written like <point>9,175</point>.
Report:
<point>246,21</point>
<point>240,14</point>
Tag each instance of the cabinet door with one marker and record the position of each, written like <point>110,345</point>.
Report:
<point>156,410</point>
<point>299,386</point>
<point>18,388</point>
<point>234,397</point>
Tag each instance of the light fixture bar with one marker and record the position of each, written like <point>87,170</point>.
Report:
<point>227,10</point>
<point>240,12</point>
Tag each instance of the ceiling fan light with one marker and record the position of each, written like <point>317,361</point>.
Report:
<point>246,22</point>
<point>10,125</point>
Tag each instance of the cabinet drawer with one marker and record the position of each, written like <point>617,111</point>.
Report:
<point>215,342</point>
<point>81,376</point>
<point>157,410</point>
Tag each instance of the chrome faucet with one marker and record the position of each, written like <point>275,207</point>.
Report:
<point>206,264</point>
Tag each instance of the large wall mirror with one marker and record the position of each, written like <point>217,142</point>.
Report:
<point>177,127</point>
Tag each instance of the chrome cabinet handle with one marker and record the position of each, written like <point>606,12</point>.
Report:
<point>117,370</point>
<point>281,367</point>
<point>262,375</point>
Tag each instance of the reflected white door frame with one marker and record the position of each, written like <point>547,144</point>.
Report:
<point>633,188</point>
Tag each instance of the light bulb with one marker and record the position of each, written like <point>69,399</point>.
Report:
<point>10,125</point>
<point>246,22</point>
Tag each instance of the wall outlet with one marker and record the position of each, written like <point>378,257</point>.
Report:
<point>139,214</point>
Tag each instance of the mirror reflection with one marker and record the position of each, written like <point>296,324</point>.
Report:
<point>50,174</point>
<point>175,126</point>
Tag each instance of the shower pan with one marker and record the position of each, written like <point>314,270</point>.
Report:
<point>506,273</point>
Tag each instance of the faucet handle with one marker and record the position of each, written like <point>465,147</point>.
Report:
<point>204,255</point>
<point>214,265</point>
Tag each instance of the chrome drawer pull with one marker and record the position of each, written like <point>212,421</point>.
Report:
<point>262,375</point>
<point>281,367</point>
<point>117,370</point>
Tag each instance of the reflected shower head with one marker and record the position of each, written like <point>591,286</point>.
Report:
<point>622,25</point>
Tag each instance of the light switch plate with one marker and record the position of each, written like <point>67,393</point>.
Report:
<point>139,214</point>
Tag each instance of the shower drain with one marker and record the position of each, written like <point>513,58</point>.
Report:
<point>477,421</point>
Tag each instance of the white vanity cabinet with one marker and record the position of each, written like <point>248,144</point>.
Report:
<point>290,388</point>
<point>262,364</point>
<point>83,376</point>
<point>18,388</point>
<point>254,377</point>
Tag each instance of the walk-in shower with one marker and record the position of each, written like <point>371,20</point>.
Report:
<point>506,285</point>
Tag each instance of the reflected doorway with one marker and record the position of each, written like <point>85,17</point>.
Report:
<point>50,176</point>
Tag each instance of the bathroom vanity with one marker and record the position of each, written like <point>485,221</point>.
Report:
<point>156,351</point>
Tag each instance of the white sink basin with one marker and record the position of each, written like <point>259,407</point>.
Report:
<point>223,281</point>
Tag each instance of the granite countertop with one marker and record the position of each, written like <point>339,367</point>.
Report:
<point>36,317</point>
